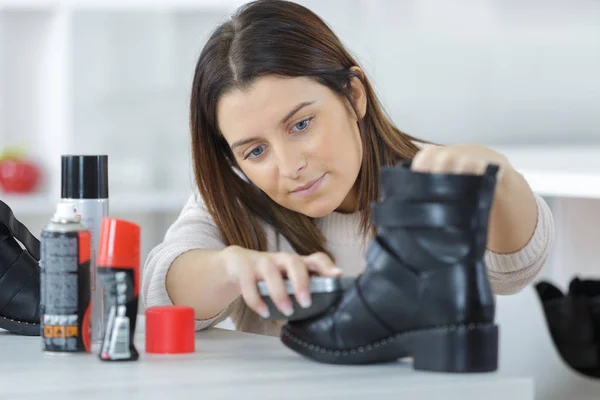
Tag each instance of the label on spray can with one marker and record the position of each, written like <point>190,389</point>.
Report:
<point>122,304</point>
<point>65,291</point>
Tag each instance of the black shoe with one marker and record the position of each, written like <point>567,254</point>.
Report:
<point>19,277</point>
<point>425,292</point>
<point>588,291</point>
<point>571,327</point>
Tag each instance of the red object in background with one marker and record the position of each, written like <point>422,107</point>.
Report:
<point>19,175</point>
<point>170,330</point>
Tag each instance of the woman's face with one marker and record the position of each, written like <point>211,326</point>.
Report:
<point>297,141</point>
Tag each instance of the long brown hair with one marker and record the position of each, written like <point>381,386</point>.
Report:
<point>285,39</point>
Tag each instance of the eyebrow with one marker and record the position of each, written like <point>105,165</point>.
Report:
<point>295,110</point>
<point>243,142</point>
<point>289,115</point>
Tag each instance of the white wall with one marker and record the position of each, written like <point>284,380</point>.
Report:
<point>491,71</point>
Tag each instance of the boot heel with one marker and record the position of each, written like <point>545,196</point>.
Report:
<point>466,348</point>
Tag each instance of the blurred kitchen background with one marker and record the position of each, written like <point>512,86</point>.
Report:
<point>113,77</point>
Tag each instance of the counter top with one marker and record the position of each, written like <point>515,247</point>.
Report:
<point>231,365</point>
<point>558,170</point>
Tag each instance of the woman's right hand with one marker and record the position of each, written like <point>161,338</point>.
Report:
<point>246,267</point>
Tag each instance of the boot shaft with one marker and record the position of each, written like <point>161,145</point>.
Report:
<point>449,210</point>
<point>435,228</point>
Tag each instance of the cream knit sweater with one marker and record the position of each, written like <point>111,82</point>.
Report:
<point>194,229</point>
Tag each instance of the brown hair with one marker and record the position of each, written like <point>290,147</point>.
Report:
<point>285,39</point>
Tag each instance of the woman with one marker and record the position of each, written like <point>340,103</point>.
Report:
<point>288,140</point>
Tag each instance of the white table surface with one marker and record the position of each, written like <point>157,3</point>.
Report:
<point>231,365</point>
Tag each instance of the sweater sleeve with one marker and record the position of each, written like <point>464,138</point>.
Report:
<point>193,229</point>
<point>510,273</point>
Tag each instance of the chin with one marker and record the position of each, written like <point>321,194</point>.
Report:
<point>318,208</point>
<point>317,214</point>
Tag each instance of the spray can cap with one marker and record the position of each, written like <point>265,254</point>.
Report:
<point>84,177</point>
<point>65,211</point>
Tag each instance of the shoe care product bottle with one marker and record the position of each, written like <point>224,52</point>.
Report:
<point>119,272</point>
<point>65,283</point>
<point>85,184</point>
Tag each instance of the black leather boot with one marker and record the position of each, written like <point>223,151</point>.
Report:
<point>425,292</point>
<point>571,327</point>
<point>19,276</point>
<point>588,292</point>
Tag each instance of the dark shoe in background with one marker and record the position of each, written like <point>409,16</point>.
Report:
<point>425,292</point>
<point>572,327</point>
<point>589,290</point>
<point>19,276</point>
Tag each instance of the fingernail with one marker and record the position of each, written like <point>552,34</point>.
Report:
<point>287,309</point>
<point>263,311</point>
<point>304,299</point>
<point>336,270</point>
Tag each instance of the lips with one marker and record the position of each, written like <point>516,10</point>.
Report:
<point>309,190</point>
<point>309,184</point>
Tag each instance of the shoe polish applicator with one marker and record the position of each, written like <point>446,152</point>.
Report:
<point>119,272</point>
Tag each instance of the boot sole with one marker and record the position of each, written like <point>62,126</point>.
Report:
<point>19,327</point>
<point>456,348</point>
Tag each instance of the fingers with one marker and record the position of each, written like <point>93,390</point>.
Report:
<point>448,160</point>
<point>271,274</point>
<point>431,159</point>
<point>247,283</point>
<point>466,165</point>
<point>322,264</point>
<point>297,273</point>
<point>247,267</point>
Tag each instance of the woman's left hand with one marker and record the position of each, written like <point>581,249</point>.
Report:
<point>459,159</point>
<point>513,216</point>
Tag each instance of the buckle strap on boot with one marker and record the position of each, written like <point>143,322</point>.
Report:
<point>19,231</point>
<point>18,273</point>
<point>392,213</point>
<point>379,259</point>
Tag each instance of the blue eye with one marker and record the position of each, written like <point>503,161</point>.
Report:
<point>256,152</point>
<point>302,125</point>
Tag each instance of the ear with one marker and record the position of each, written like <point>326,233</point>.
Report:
<point>359,94</point>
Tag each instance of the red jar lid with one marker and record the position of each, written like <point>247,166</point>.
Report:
<point>170,330</point>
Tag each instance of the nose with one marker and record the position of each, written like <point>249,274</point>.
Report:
<point>291,162</point>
